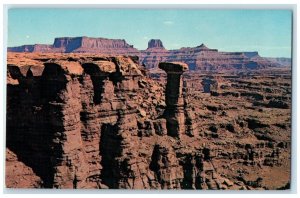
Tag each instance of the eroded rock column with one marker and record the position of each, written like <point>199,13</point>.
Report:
<point>174,112</point>
<point>62,87</point>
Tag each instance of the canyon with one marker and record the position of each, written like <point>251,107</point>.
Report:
<point>96,120</point>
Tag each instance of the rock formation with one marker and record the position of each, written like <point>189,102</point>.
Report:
<point>174,112</point>
<point>96,121</point>
<point>199,58</point>
<point>81,45</point>
<point>155,43</point>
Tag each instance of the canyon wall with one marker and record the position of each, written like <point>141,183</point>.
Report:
<point>87,126</point>
<point>91,121</point>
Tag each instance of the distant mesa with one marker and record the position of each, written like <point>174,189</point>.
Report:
<point>79,45</point>
<point>155,43</point>
<point>199,58</point>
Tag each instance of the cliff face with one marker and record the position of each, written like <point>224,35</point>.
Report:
<point>83,124</point>
<point>198,58</point>
<point>90,121</point>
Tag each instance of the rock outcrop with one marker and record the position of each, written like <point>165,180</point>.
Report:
<point>84,124</point>
<point>95,121</point>
<point>199,58</point>
<point>155,43</point>
<point>174,112</point>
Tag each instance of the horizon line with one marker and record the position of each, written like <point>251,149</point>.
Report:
<point>60,37</point>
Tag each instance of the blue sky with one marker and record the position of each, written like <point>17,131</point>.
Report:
<point>265,31</point>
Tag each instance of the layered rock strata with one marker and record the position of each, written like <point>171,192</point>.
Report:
<point>199,58</point>
<point>91,121</point>
<point>85,127</point>
<point>174,112</point>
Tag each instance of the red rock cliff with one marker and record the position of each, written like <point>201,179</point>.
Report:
<point>90,121</point>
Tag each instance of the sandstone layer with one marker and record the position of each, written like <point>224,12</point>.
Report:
<point>96,121</point>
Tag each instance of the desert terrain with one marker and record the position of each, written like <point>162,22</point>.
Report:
<point>104,115</point>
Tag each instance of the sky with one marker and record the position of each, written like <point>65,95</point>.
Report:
<point>267,31</point>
